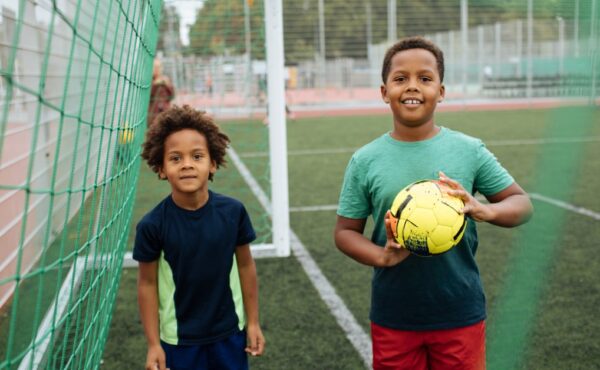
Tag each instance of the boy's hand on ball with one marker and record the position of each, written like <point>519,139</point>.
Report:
<point>393,253</point>
<point>474,208</point>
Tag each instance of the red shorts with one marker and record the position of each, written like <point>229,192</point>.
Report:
<point>460,348</point>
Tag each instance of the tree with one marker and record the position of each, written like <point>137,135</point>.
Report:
<point>219,29</point>
<point>219,26</point>
<point>169,37</point>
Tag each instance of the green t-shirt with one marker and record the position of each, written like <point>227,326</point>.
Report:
<point>422,293</point>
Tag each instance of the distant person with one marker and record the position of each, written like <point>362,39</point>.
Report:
<point>262,94</point>
<point>161,94</point>
<point>208,82</point>
<point>427,313</point>
<point>197,284</point>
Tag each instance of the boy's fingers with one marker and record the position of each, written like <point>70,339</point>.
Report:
<point>260,349</point>
<point>251,347</point>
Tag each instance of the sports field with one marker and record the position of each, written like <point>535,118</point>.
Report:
<point>541,280</point>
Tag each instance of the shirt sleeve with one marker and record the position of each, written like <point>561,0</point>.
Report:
<point>354,197</point>
<point>491,177</point>
<point>246,232</point>
<point>147,245</point>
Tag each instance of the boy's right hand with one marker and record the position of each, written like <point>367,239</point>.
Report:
<point>156,358</point>
<point>393,253</point>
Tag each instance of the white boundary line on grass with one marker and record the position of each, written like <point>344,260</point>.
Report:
<point>35,354</point>
<point>567,206</point>
<point>354,332</point>
<point>565,140</point>
<point>542,198</point>
<point>329,207</point>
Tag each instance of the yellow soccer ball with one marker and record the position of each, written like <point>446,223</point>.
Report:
<point>425,220</point>
<point>126,135</point>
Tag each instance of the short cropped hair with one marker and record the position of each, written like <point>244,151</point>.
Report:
<point>176,119</point>
<point>413,42</point>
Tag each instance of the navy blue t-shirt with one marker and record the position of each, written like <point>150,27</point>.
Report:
<point>195,251</point>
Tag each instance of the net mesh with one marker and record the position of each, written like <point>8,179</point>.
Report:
<point>73,98</point>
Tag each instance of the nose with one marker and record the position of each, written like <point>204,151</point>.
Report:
<point>186,162</point>
<point>412,85</point>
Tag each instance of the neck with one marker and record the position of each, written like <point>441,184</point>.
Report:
<point>407,133</point>
<point>190,201</point>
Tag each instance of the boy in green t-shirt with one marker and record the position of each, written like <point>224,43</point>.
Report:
<point>426,313</point>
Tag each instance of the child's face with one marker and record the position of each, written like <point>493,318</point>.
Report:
<point>413,87</point>
<point>186,162</point>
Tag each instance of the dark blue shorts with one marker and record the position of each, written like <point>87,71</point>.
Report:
<point>227,354</point>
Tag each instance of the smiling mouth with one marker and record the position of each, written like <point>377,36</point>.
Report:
<point>412,101</point>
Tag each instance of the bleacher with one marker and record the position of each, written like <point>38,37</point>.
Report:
<point>541,86</point>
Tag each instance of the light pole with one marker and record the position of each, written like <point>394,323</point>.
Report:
<point>248,42</point>
<point>529,49</point>
<point>561,46</point>
<point>464,28</point>
<point>392,31</point>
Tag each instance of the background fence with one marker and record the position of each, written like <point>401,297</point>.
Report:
<point>334,51</point>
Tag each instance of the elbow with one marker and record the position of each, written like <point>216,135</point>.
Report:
<point>526,213</point>
<point>338,240</point>
<point>335,239</point>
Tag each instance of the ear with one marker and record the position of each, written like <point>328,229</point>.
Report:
<point>442,93</point>
<point>213,167</point>
<point>384,96</point>
<point>161,174</point>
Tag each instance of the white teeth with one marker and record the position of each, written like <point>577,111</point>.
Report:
<point>411,101</point>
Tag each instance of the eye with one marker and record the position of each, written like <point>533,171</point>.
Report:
<point>197,157</point>
<point>400,78</point>
<point>426,79</point>
<point>175,158</point>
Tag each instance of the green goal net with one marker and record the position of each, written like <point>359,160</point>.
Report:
<point>74,87</point>
<point>223,71</point>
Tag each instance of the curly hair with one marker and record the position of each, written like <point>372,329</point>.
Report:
<point>413,42</point>
<point>180,118</point>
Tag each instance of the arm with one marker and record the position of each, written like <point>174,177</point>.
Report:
<point>508,208</point>
<point>148,304</point>
<point>349,238</point>
<point>249,283</point>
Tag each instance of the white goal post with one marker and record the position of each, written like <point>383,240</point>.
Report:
<point>279,207</point>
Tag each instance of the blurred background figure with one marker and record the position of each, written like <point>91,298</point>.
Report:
<point>161,94</point>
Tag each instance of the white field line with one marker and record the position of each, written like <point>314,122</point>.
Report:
<point>329,207</point>
<point>565,140</point>
<point>567,206</point>
<point>354,332</point>
<point>34,356</point>
<point>542,198</point>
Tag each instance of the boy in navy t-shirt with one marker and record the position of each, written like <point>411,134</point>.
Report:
<point>197,284</point>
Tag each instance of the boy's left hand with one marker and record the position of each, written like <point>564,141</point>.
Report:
<point>255,340</point>
<point>477,210</point>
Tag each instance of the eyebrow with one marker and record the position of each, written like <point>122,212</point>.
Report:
<point>429,72</point>
<point>199,148</point>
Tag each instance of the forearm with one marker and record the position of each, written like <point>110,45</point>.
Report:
<point>148,306</point>
<point>359,248</point>
<point>249,285</point>
<point>512,211</point>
